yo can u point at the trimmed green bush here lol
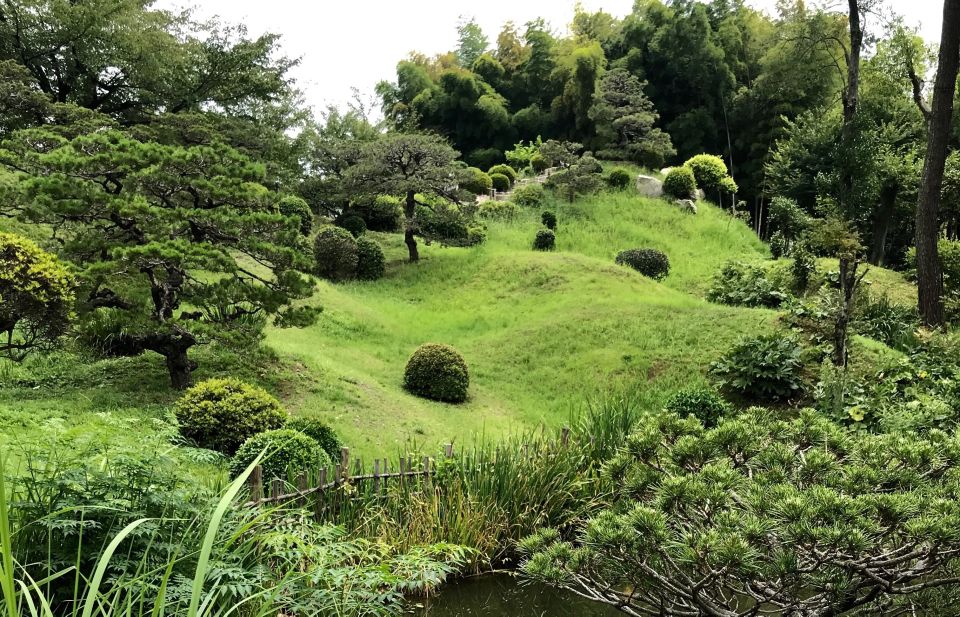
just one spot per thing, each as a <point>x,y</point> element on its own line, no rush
<point>220,414</point>
<point>385,213</point>
<point>318,430</point>
<point>703,404</point>
<point>500,182</point>
<point>740,284</point>
<point>354,224</point>
<point>803,268</point>
<point>499,210</point>
<point>648,262</point>
<point>285,449</point>
<point>529,195</point>
<point>476,181</point>
<point>437,372</point>
<point>618,179</point>
<point>680,183</point>
<point>549,220</point>
<point>335,250</point>
<point>779,245</point>
<point>765,368</point>
<point>506,170</point>
<point>545,240</point>
<point>538,163</point>
<point>291,205</point>
<point>708,170</point>
<point>371,263</point>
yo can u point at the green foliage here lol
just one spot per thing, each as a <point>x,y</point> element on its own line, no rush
<point>335,251</point>
<point>648,262</point>
<point>529,195</point>
<point>297,207</point>
<point>704,404</point>
<point>382,213</point>
<point>484,158</point>
<point>680,183</point>
<point>580,177</point>
<point>882,320</point>
<point>371,263</point>
<point>36,297</point>
<point>437,372</point>
<point>949,253</point>
<point>785,216</point>
<point>618,179</point>
<point>477,182</point>
<point>522,154</point>
<point>549,220</point>
<point>803,268</point>
<point>220,414</point>
<point>545,240</point>
<point>779,246</point>
<point>501,183</point>
<point>832,237</point>
<point>765,368</point>
<point>498,210</point>
<point>710,172</point>
<point>539,163</point>
<point>353,223</point>
<point>740,284</point>
<point>505,170</point>
<point>284,450</point>
<point>318,430</point>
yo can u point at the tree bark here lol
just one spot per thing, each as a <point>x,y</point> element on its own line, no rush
<point>929,271</point>
<point>174,348</point>
<point>851,102</point>
<point>881,224</point>
<point>410,226</point>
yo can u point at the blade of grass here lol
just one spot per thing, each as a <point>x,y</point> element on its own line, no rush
<point>103,562</point>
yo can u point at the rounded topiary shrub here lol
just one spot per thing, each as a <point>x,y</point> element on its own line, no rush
<point>437,372</point>
<point>618,179</point>
<point>545,240</point>
<point>549,220</point>
<point>648,262</point>
<point>285,449</point>
<point>680,183</point>
<point>538,163</point>
<point>709,171</point>
<point>220,414</point>
<point>702,403</point>
<point>335,250</point>
<point>529,195</point>
<point>500,182</point>
<point>320,431</point>
<point>293,206</point>
<point>370,261</point>
<point>354,224</point>
<point>506,170</point>
<point>476,181</point>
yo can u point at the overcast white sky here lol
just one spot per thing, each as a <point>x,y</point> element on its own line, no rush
<point>356,43</point>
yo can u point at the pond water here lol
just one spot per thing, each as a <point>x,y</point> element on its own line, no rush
<point>500,595</point>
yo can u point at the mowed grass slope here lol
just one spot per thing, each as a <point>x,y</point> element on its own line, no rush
<point>541,332</point>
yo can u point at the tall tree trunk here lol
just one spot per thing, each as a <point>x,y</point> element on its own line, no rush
<point>929,271</point>
<point>410,226</point>
<point>849,283</point>
<point>174,348</point>
<point>851,102</point>
<point>881,224</point>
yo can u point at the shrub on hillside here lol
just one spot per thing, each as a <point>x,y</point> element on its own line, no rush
<point>740,284</point>
<point>384,213</point>
<point>882,320</point>
<point>803,268</point>
<point>766,368</point>
<point>545,240</point>
<point>549,220</point>
<point>284,449</point>
<point>437,372</point>
<point>538,163</point>
<point>784,215</point>
<point>778,245</point>
<point>529,195</point>
<point>618,179</point>
<point>679,183</point>
<point>293,206</point>
<point>476,181</point>
<point>220,414</point>
<point>709,171</point>
<point>318,430</point>
<point>484,158</point>
<point>648,262</point>
<point>703,404</point>
<point>500,182</point>
<point>498,210</point>
<point>832,237</point>
<point>354,224</point>
<point>370,261</point>
<point>506,170</point>
<point>335,251</point>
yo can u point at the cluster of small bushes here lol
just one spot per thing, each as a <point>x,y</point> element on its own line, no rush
<point>340,256</point>
<point>242,421</point>
<point>648,262</point>
<point>703,171</point>
<point>740,284</point>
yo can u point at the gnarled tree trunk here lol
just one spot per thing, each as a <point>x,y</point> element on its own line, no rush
<point>410,226</point>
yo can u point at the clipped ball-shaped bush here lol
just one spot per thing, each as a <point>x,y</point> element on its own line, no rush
<point>476,181</point>
<point>529,195</point>
<point>648,262</point>
<point>506,170</point>
<point>500,182</point>
<point>498,210</point>
<point>618,179</point>
<point>354,224</point>
<point>545,240</point>
<point>371,263</point>
<point>538,163</point>
<point>680,183</point>
<point>437,372</point>
<point>284,449</point>
<point>549,220</point>
<point>335,251</point>
<point>702,403</point>
<point>220,414</point>
<point>708,170</point>
<point>319,431</point>
<point>293,206</point>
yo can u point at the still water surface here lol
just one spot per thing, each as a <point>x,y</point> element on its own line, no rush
<point>500,595</point>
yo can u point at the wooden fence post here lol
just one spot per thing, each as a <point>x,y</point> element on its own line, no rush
<point>376,476</point>
<point>302,487</point>
<point>275,486</point>
<point>345,462</point>
<point>426,470</point>
<point>256,484</point>
<point>565,436</point>
<point>448,450</point>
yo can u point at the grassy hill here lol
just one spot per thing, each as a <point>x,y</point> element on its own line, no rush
<point>542,333</point>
